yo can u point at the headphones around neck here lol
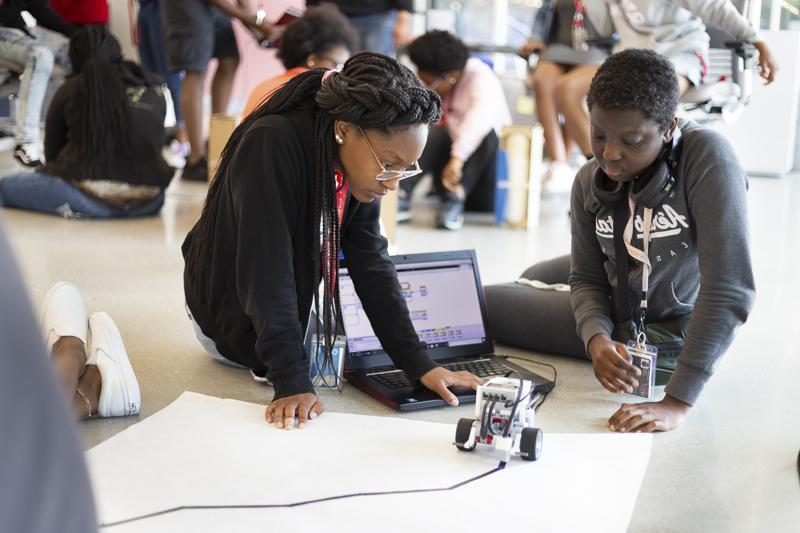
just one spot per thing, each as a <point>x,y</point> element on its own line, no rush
<point>649,189</point>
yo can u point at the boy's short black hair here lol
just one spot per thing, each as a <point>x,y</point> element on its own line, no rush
<point>637,79</point>
<point>319,30</point>
<point>438,52</point>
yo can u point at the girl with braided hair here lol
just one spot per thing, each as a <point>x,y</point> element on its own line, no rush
<point>102,141</point>
<point>299,182</point>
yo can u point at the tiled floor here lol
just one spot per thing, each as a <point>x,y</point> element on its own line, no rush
<point>731,467</point>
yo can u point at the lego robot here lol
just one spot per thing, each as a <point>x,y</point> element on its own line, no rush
<point>504,418</point>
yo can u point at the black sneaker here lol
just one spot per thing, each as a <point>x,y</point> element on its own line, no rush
<point>196,171</point>
<point>28,155</point>
<point>452,214</point>
<point>403,209</point>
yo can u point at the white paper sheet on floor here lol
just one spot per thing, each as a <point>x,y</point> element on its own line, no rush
<point>207,451</point>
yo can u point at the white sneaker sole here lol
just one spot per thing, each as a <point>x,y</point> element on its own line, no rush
<point>79,332</point>
<point>118,378</point>
<point>452,225</point>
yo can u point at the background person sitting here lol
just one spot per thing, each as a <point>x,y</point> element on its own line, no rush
<point>103,139</point>
<point>560,82</point>
<point>37,50</point>
<point>321,38</point>
<point>677,30</point>
<point>462,147</point>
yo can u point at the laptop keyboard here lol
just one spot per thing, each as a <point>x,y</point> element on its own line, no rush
<point>484,368</point>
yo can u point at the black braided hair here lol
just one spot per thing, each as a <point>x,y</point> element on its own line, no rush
<point>372,91</point>
<point>100,131</point>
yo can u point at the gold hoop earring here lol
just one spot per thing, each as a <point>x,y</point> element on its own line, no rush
<point>310,63</point>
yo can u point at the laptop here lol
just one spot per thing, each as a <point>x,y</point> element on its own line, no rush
<point>445,300</point>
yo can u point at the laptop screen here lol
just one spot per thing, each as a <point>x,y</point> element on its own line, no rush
<point>443,303</point>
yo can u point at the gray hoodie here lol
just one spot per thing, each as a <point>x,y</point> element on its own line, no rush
<point>669,27</point>
<point>699,233</point>
<point>44,484</point>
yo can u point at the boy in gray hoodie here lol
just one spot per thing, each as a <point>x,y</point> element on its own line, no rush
<point>701,275</point>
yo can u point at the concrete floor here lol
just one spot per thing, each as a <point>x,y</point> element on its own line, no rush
<point>731,467</point>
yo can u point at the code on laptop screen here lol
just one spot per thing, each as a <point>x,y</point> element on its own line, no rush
<point>442,299</point>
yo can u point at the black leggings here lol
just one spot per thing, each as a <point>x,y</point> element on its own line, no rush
<point>535,319</point>
<point>480,165</point>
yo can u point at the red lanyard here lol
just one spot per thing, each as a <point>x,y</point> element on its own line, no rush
<point>577,20</point>
<point>578,27</point>
<point>333,240</point>
<point>341,195</point>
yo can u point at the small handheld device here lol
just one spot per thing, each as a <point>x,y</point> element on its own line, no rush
<point>504,418</point>
<point>644,357</point>
<point>290,15</point>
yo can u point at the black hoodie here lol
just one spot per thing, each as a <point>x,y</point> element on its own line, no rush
<point>261,280</point>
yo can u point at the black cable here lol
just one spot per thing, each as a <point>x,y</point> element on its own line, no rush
<point>539,404</point>
<point>484,430</point>
<point>489,416</point>
<point>548,365</point>
<point>300,503</point>
<point>514,405</point>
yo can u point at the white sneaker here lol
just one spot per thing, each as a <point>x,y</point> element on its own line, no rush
<point>175,154</point>
<point>63,314</point>
<point>119,392</point>
<point>558,178</point>
<point>29,155</point>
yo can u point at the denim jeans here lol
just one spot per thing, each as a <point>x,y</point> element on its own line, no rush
<point>376,31</point>
<point>208,344</point>
<point>152,54</point>
<point>37,55</point>
<point>36,191</point>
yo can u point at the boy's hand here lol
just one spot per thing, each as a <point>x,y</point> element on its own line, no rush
<point>647,417</point>
<point>304,406</point>
<point>438,379</point>
<point>767,62</point>
<point>612,363</point>
<point>452,174</point>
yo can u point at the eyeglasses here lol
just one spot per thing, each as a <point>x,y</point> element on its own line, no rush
<point>441,79</point>
<point>337,66</point>
<point>386,175</point>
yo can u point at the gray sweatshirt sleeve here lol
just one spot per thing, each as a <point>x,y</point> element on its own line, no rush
<point>716,189</point>
<point>44,484</point>
<point>722,14</point>
<point>590,291</point>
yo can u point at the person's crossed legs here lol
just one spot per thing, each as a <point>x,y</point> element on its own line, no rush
<point>97,380</point>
